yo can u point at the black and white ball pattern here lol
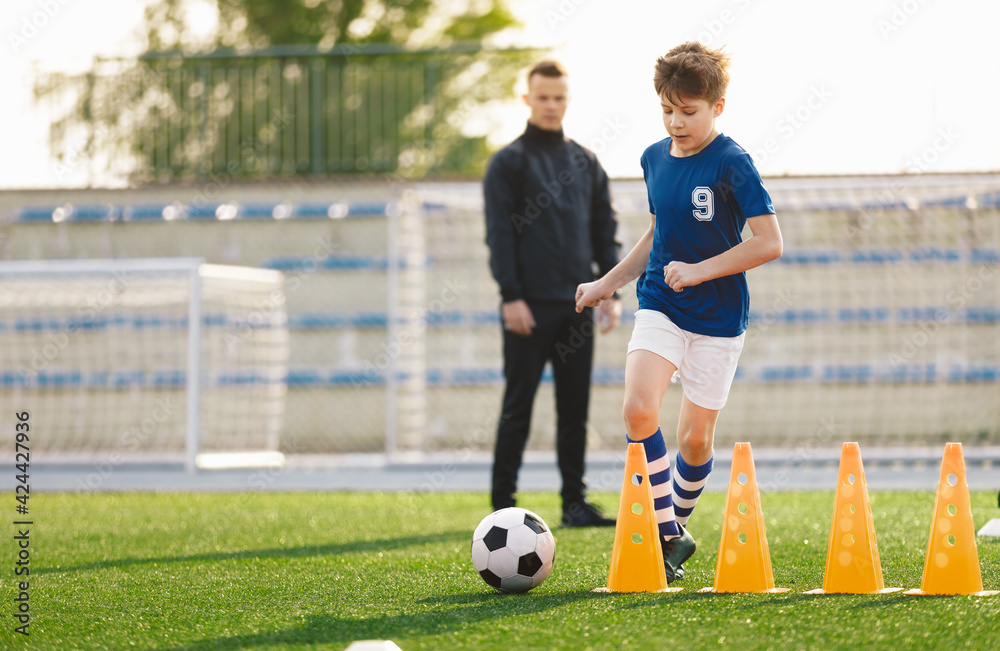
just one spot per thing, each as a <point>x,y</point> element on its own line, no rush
<point>513,549</point>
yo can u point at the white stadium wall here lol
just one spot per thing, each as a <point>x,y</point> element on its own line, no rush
<point>880,324</point>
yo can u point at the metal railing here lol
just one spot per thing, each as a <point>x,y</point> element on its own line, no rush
<point>284,111</point>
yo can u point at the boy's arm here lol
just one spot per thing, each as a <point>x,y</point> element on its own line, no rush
<point>764,246</point>
<point>630,268</point>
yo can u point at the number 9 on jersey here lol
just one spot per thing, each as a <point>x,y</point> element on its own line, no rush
<point>704,201</point>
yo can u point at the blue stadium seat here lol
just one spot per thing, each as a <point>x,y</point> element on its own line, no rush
<point>311,211</point>
<point>203,212</point>
<point>265,211</point>
<point>145,212</point>
<point>368,209</point>
<point>35,214</point>
<point>94,213</point>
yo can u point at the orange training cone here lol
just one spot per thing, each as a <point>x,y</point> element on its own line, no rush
<point>852,560</point>
<point>952,563</point>
<point>637,558</point>
<point>744,563</point>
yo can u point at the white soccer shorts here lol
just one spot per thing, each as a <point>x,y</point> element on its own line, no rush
<point>706,365</point>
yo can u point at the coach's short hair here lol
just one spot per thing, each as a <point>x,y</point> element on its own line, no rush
<point>692,71</point>
<point>547,68</point>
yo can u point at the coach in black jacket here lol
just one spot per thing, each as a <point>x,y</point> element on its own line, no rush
<point>548,221</point>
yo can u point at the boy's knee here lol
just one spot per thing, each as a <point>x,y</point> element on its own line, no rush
<point>696,447</point>
<point>641,419</point>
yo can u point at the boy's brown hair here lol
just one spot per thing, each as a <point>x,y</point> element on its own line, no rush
<point>692,71</point>
<point>547,68</point>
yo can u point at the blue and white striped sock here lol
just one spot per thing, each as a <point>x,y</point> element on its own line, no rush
<point>659,481</point>
<point>689,482</point>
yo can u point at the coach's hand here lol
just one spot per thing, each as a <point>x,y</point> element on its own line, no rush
<point>679,275</point>
<point>517,318</point>
<point>610,315</point>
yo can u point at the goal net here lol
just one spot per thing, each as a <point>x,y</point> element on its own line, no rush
<point>144,358</point>
<point>879,324</point>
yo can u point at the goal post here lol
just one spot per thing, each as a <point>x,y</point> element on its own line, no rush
<point>157,359</point>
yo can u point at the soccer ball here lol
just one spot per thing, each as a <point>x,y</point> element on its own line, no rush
<point>513,549</point>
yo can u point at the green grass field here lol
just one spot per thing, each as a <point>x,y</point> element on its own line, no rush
<point>317,571</point>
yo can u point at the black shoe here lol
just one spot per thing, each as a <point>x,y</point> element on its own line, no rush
<point>584,514</point>
<point>675,552</point>
<point>503,501</point>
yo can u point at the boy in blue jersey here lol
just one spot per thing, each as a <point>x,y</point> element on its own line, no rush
<point>692,290</point>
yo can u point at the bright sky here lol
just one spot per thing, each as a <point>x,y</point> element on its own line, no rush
<point>853,87</point>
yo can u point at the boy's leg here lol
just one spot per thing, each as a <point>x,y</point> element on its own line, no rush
<point>707,373</point>
<point>647,376</point>
<point>695,456</point>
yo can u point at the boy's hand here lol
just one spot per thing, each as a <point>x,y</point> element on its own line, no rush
<point>679,275</point>
<point>591,295</point>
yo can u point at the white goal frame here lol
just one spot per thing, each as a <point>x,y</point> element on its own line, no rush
<point>196,269</point>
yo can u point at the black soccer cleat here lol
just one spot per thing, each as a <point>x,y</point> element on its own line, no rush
<point>584,514</point>
<point>675,552</point>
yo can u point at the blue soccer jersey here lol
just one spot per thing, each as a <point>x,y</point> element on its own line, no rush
<point>701,204</point>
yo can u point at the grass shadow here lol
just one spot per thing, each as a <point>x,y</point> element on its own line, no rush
<point>334,630</point>
<point>332,549</point>
<point>756,600</point>
<point>881,600</point>
<point>495,596</point>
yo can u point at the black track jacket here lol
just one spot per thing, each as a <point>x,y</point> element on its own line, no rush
<point>548,217</point>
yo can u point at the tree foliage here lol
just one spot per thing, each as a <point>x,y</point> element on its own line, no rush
<point>263,23</point>
<point>297,87</point>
